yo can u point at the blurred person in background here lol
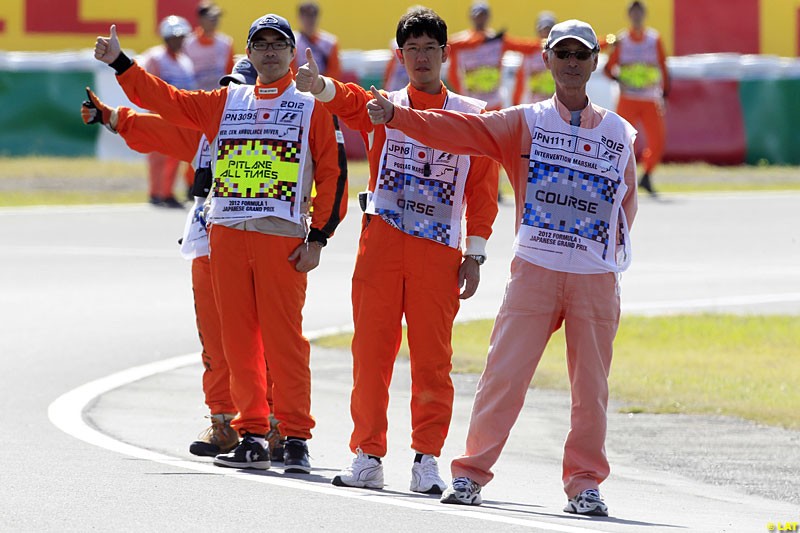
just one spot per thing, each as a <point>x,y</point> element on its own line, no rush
<point>323,45</point>
<point>638,63</point>
<point>171,64</point>
<point>395,76</point>
<point>211,51</point>
<point>533,82</point>
<point>476,61</point>
<point>476,58</point>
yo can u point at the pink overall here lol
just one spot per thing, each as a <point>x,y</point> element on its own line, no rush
<point>536,303</point>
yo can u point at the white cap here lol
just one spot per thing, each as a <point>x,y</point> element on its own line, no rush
<point>545,19</point>
<point>174,26</point>
<point>573,29</point>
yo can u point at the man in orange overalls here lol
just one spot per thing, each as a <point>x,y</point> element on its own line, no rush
<point>638,63</point>
<point>146,133</point>
<point>533,81</point>
<point>410,260</point>
<point>272,144</point>
<point>171,64</point>
<point>476,61</point>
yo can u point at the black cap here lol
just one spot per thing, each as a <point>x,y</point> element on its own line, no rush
<point>272,22</point>
<point>243,73</point>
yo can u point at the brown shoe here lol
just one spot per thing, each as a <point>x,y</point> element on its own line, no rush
<point>219,438</point>
<point>275,440</point>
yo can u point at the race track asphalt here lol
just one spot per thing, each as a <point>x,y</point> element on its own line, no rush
<point>91,293</point>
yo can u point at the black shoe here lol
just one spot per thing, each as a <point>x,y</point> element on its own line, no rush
<point>248,454</point>
<point>295,457</point>
<point>171,202</point>
<point>156,201</point>
<point>645,184</point>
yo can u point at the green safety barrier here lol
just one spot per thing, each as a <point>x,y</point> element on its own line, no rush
<point>40,114</point>
<point>771,117</point>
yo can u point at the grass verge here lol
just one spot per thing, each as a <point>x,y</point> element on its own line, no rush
<point>64,180</point>
<point>744,366</point>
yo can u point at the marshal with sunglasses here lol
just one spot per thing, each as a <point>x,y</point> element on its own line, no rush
<point>580,55</point>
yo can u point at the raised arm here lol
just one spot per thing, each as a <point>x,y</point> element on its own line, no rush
<point>145,133</point>
<point>345,100</point>
<point>142,132</point>
<point>200,110</point>
<point>495,134</point>
<point>521,45</point>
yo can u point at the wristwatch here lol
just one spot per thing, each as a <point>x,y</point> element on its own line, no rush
<point>480,259</point>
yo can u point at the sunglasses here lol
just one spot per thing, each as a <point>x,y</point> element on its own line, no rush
<point>580,55</point>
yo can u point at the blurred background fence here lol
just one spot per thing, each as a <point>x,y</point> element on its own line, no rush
<point>724,108</point>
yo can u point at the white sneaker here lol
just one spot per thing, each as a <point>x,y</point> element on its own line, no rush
<point>588,502</point>
<point>425,476</point>
<point>463,491</point>
<point>364,472</point>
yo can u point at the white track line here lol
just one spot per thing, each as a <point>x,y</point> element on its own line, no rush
<point>66,413</point>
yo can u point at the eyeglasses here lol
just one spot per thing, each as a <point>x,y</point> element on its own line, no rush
<point>261,46</point>
<point>580,55</point>
<point>424,50</point>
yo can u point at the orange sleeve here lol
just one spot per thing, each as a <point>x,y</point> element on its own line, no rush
<point>613,61</point>
<point>350,105</point>
<point>480,192</point>
<point>453,79</point>
<point>334,66</point>
<point>199,110</point>
<point>145,133</point>
<point>523,46</point>
<point>495,134</point>
<point>330,172</point>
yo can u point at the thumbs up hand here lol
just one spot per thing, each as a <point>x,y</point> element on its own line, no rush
<point>107,49</point>
<point>380,110</point>
<point>94,111</point>
<point>308,78</point>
